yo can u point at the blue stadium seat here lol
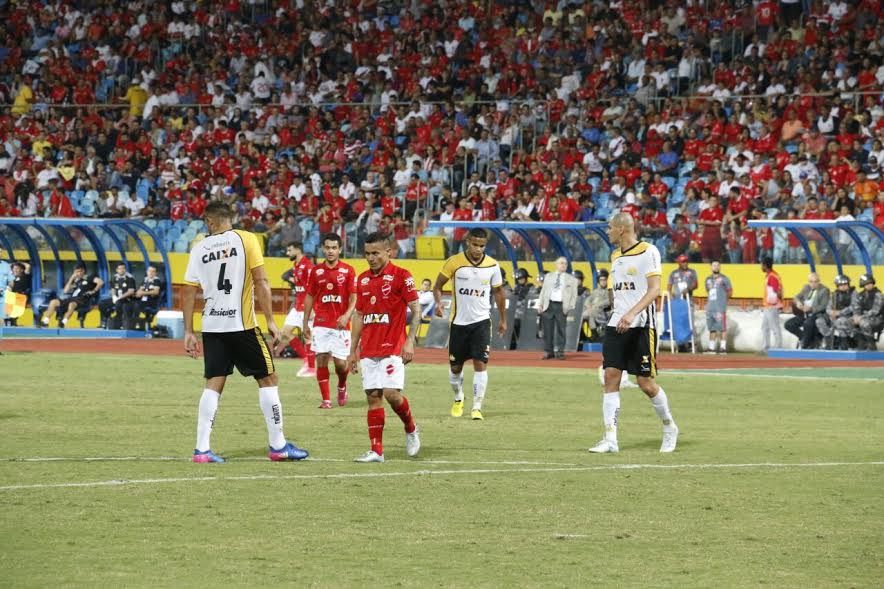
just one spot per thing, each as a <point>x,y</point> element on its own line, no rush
<point>669,181</point>
<point>151,223</point>
<point>866,215</point>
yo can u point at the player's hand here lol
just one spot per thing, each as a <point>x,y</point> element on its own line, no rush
<point>343,320</point>
<point>625,322</point>
<point>192,346</point>
<point>501,327</point>
<point>353,364</point>
<point>306,334</point>
<point>273,330</point>
<point>408,352</point>
<point>439,311</point>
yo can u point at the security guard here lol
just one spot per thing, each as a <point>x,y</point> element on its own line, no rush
<point>868,313</point>
<point>837,309</point>
<point>119,310</point>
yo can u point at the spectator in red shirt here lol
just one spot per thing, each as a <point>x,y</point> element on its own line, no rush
<point>711,219</point>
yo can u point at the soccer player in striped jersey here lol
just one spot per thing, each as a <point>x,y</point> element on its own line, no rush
<point>631,338</point>
<point>229,268</point>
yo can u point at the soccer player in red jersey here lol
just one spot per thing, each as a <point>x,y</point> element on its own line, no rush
<point>298,277</point>
<point>379,347</point>
<point>331,296</point>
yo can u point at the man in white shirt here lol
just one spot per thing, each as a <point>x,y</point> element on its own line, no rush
<point>298,189</point>
<point>347,189</point>
<point>133,205</point>
<point>558,297</point>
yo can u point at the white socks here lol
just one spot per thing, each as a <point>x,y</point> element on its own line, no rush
<point>206,418</point>
<point>661,406</point>
<point>610,412</point>
<point>456,382</point>
<point>271,407</point>
<point>480,383</point>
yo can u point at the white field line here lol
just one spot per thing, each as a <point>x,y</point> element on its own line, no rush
<point>740,375</point>
<point>388,474</point>
<point>264,459</point>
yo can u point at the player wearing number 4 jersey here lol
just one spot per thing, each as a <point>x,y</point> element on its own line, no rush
<point>380,348</point>
<point>229,268</point>
<point>331,296</point>
<point>631,340</point>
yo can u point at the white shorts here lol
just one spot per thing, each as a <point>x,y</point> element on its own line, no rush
<point>295,319</point>
<point>331,341</point>
<point>387,372</point>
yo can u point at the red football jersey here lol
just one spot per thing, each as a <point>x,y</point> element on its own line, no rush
<point>383,299</point>
<point>331,289</point>
<point>301,276</point>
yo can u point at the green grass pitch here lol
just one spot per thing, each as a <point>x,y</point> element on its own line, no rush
<point>514,501</point>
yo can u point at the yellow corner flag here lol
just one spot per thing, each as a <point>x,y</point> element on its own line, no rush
<point>14,304</point>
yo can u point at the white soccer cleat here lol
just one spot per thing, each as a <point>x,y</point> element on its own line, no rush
<point>370,456</point>
<point>413,442</point>
<point>670,439</point>
<point>307,372</point>
<point>625,383</point>
<point>605,447</point>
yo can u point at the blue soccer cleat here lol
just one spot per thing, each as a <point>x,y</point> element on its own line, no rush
<point>207,456</point>
<point>288,452</point>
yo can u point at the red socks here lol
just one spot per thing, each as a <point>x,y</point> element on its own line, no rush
<point>322,377</point>
<point>376,419</point>
<point>404,413</point>
<point>311,358</point>
<point>298,346</point>
<point>342,377</point>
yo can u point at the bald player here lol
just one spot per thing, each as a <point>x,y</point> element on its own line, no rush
<point>631,338</point>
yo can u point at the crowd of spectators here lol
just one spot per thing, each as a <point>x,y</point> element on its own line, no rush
<point>365,115</point>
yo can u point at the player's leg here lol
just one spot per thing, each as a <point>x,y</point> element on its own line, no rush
<point>72,307</point>
<point>766,327</point>
<point>722,344</point>
<point>252,357</point>
<point>375,418</point>
<point>322,347</point>
<point>480,351</point>
<point>105,309</point>
<point>49,312</point>
<point>613,362</point>
<point>339,353</point>
<point>217,365</point>
<point>456,358</point>
<point>393,377</point>
<point>645,348</point>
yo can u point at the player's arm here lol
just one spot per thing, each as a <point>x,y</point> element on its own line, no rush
<point>500,301</point>
<point>308,308</point>
<point>96,286</point>
<point>642,304</point>
<point>351,306</point>
<point>355,335</point>
<point>191,344</point>
<point>70,285</point>
<point>408,349</point>
<point>441,281</point>
<point>265,299</point>
<point>289,277</point>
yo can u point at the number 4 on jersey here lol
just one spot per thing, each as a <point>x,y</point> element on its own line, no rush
<point>224,283</point>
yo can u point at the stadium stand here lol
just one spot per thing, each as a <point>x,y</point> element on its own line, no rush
<point>346,114</point>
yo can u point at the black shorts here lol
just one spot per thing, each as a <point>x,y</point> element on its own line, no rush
<point>469,342</point>
<point>81,302</point>
<point>246,350</point>
<point>634,351</point>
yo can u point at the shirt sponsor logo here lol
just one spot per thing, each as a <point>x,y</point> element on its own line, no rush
<point>388,277</point>
<point>331,299</point>
<point>365,281</point>
<point>369,318</point>
<point>329,286</point>
<point>320,271</point>
<point>471,292</point>
<point>222,313</point>
<point>624,286</point>
<point>220,255</point>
